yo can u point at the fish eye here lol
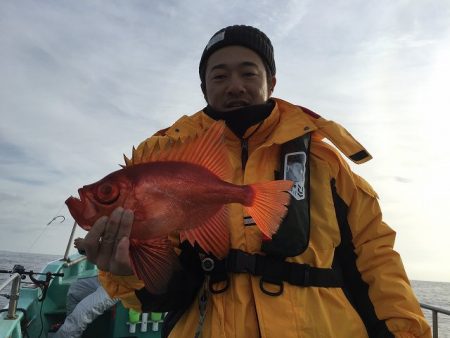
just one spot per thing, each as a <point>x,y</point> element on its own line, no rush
<point>107,193</point>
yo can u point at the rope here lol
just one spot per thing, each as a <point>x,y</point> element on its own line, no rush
<point>202,304</point>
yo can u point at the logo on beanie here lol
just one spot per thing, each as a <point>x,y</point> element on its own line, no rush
<point>216,38</point>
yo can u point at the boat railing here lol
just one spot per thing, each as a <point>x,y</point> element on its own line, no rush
<point>16,275</point>
<point>14,279</point>
<point>434,315</point>
<point>69,244</point>
<point>70,262</point>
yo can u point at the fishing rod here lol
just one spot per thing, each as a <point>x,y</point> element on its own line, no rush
<point>42,284</point>
<point>14,296</point>
<point>45,229</point>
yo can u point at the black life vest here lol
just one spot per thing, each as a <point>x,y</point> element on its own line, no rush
<point>291,239</point>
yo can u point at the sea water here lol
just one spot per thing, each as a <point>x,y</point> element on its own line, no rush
<point>431,293</point>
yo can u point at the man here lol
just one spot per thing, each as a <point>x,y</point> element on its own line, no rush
<point>86,300</point>
<point>330,271</point>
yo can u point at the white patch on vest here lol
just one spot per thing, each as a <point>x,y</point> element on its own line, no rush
<point>215,39</point>
<point>295,170</point>
<point>248,221</point>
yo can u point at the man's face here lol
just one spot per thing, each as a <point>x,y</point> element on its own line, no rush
<point>236,77</point>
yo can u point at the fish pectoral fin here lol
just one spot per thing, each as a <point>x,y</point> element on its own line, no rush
<point>154,262</point>
<point>212,236</point>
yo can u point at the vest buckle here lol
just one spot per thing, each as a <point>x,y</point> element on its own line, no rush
<point>268,292</point>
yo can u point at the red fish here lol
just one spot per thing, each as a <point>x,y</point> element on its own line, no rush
<point>182,188</point>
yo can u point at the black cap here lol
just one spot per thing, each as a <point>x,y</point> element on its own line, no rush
<point>240,35</point>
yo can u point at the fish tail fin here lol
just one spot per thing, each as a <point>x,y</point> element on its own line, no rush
<point>153,261</point>
<point>268,204</point>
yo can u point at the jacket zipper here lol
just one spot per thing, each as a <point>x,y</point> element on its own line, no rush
<point>244,147</point>
<point>244,152</point>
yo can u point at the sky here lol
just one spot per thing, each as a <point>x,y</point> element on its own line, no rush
<point>81,82</point>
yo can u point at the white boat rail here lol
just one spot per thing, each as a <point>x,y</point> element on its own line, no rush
<point>434,313</point>
<point>16,275</point>
<point>69,244</point>
<point>70,262</point>
<point>15,279</point>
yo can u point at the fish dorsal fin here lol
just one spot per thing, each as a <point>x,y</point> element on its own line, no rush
<point>207,150</point>
<point>212,236</point>
<point>154,262</point>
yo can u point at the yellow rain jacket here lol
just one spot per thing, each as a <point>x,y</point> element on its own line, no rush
<point>243,310</point>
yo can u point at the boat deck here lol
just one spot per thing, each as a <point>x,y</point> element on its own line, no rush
<point>39,319</point>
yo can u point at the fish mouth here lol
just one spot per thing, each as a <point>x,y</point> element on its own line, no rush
<point>75,203</point>
<point>81,209</point>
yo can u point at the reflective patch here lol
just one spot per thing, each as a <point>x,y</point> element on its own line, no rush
<point>216,38</point>
<point>249,221</point>
<point>295,170</point>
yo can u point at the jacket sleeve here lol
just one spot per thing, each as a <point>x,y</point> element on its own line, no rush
<point>383,280</point>
<point>122,287</point>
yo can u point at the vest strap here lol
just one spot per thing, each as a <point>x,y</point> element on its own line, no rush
<point>273,271</point>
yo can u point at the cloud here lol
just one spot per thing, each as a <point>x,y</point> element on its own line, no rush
<point>402,179</point>
<point>82,82</point>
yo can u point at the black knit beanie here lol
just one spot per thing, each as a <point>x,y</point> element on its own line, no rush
<point>240,35</point>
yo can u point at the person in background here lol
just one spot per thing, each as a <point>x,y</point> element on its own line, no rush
<point>86,300</point>
<point>330,271</point>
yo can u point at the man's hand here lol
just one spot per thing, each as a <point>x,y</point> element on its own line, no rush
<point>107,243</point>
<point>78,243</point>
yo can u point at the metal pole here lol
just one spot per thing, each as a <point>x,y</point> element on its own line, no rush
<point>435,324</point>
<point>435,311</point>
<point>14,296</point>
<point>69,245</point>
<point>9,280</point>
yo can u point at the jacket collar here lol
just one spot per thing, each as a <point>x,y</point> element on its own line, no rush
<point>286,122</point>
